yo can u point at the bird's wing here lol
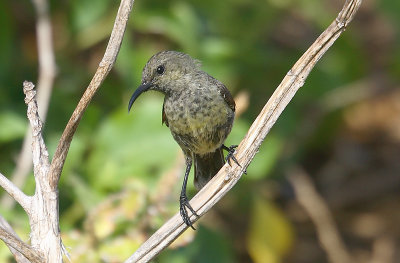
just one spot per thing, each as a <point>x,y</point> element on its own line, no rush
<point>224,92</point>
<point>226,95</point>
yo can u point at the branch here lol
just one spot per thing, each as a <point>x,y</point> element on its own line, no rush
<point>320,215</point>
<point>15,243</point>
<point>20,250</point>
<point>15,192</point>
<point>47,72</point>
<point>40,154</point>
<point>43,212</point>
<point>47,65</point>
<point>227,177</point>
<point>102,71</point>
<point>19,257</point>
<point>22,169</point>
<point>383,250</point>
<point>43,206</point>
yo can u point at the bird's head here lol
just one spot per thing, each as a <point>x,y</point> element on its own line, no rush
<point>167,72</point>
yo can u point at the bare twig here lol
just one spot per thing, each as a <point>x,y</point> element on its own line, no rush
<point>318,210</point>
<point>47,72</point>
<point>227,177</point>
<point>40,154</point>
<point>104,68</point>
<point>22,169</point>
<point>43,213</point>
<point>14,192</point>
<point>47,65</point>
<point>383,250</point>
<point>15,243</point>
<point>20,258</point>
<point>42,209</point>
<point>20,250</point>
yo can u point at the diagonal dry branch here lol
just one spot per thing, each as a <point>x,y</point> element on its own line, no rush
<point>4,225</point>
<point>22,252</point>
<point>15,192</point>
<point>227,177</point>
<point>16,244</point>
<point>105,66</point>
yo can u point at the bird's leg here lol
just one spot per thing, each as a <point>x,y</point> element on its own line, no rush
<point>183,199</point>
<point>230,155</point>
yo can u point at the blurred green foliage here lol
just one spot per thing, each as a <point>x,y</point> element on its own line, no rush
<point>111,191</point>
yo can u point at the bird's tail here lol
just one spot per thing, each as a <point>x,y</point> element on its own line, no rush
<point>206,166</point>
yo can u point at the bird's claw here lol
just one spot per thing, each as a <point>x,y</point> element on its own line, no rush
<point>230,156</point>
<point>184,203</point>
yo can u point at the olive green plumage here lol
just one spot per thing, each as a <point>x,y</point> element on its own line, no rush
<point>198,109</point>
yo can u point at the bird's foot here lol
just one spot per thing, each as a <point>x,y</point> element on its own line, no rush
<point>231,156</point>
<point>184,203</point>
<point>231,151</point>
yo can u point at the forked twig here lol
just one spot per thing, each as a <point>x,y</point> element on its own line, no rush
<point>47,73</point>
<point>105,66</point>
<point>42,208</point>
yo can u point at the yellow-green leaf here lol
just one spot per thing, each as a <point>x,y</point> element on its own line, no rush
<point>270,234</point>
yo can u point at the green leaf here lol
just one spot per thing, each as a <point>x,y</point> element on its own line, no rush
<point>266,158</point>
<point>134,144</point>
<point>209,246</point>
<point>13,126</point>
<point>269,151</point>
<point>118,249</point>
<point>270,234</point>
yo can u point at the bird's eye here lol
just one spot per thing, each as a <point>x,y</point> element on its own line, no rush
<point>160,69</point>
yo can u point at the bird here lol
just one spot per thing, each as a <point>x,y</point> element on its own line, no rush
<point>199,111</point>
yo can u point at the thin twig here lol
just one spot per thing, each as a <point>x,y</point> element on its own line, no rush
<point>22,169</point>
<point>15,243</point>
<point>321,216</point>
<point>40,154</point>
<point>383,250</point>
<point>15,192</point>
<point>227,177</point>
<point>47,64</point>
<point>43,210</point>
<point>19,257</point>
<point>47,72</point>
<point>102,71</point>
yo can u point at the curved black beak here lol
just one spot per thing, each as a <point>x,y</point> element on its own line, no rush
<point>142,88</point>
